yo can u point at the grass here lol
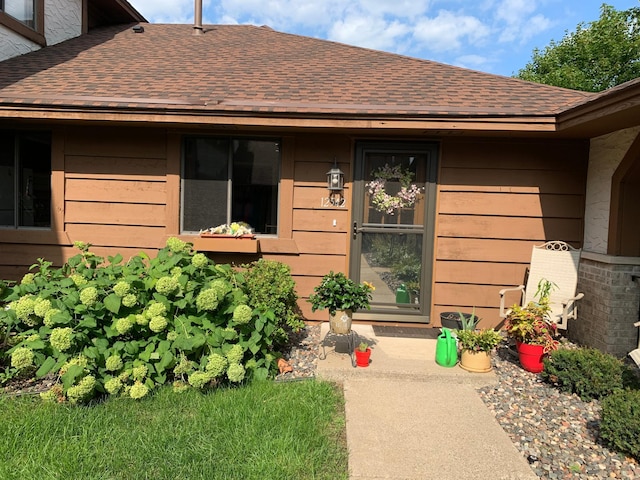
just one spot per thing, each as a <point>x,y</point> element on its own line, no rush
<point>261,431</point>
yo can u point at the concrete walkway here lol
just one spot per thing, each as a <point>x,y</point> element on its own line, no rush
<point>410,419</point>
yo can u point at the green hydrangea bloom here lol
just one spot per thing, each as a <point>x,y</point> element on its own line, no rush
<point>199,260</point>
<point>235,354</point>
<point>78,279</point>
<point>158,324</point>
<point>33,338</point>
<point>129,300</point>
<point>179,386</point>
<point>61,338</point>
<point>124,376</point>
<point>172,335</point>
<point>48,317</point>
<point>167,285</point>
<point>242,314</point>
<point>113,386</point>
<point>49,396</point>
<point>216,365</point>
<point>138,373</point>
<point>138,390</point>
<point>22,358</point>
<point>80,360</point>
<point>89,296</point>
<point>84,246</point>
<point>28,279</point>
<point>142,319</point>
<point>199,379</point>
<point>24,307</point>
<point>41,307</point>
<point>82,391</point>
<point>176,245</point>
<point>176,271</point>
<point>235,372</point>
<point>121,288</point>
<point>155,309</point>
<point>123,325</point>
<point>221,287</point>
<point>113,363</point>
<point>207,300</point>
<point>185,366</point>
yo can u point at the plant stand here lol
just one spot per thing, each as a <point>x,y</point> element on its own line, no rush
<point>351,338</point>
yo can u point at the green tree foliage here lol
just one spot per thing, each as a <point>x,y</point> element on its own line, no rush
<point>597,56</point>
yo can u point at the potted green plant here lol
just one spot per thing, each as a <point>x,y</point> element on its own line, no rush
<point>341,296</point>
<point>476,347</point>
<point>363,354</point>
<point>532,329</point>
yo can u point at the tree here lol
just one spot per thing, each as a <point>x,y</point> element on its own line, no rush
<point>598,55</point>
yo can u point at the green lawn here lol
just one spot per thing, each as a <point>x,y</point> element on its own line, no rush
<point>261,431</point>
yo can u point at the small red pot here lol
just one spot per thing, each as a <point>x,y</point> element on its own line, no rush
<point>362,358</point>
<point>531,357</point>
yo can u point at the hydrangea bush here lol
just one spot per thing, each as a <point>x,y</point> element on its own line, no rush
<point>116,328</point>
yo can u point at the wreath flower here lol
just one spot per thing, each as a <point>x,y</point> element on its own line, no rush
<point>406,197</point>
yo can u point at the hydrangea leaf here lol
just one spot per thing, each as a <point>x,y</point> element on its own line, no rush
<point>166,360</point>
<point>87,321</point>
<point>112,302</point>
<point>71,375</point>
<point>46,367</point>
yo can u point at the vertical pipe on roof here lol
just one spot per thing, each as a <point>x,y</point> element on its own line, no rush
<point>197,18</point>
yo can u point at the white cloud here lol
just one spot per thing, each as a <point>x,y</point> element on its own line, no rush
<point>517,22</point>
<point>369,32</point>
<point>447,30</point>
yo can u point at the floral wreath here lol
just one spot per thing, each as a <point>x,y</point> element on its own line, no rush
<point>406,197</point>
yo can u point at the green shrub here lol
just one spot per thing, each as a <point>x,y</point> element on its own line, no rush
<point>125,328</point>
<point>620,424</point>
<point>587,372</point>
<point>271,287</point>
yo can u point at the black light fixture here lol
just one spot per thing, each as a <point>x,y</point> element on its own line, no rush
<point>335,178</point>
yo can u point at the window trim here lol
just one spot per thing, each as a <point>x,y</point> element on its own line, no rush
<point>36,34</point>
<point>229,181</point>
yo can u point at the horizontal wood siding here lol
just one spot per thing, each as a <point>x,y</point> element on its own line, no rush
<point>496,200</point>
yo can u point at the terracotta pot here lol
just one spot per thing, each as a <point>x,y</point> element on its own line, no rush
<point>340,323</point>
<point>477,362</point>
<point>531,357</point>
<point>362,358</point>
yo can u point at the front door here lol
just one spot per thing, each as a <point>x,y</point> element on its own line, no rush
<point>393,228</point>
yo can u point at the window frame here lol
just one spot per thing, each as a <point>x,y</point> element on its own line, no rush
<point>229,179</point>
<point>35,33</point>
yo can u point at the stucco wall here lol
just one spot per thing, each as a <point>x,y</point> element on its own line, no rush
<point>63,20</point>
<point>12,44</point>
<point>606,153</point>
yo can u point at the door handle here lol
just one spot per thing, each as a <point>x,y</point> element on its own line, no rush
<point>356,230</point>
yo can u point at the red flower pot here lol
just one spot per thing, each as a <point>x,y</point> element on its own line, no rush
<point>362,358</point>
<point>531,357</point>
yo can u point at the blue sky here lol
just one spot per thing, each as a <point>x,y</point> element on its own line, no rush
<point>495,36</point>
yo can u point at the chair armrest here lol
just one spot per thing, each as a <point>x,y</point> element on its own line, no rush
<point>503,312</point>
<point>567,306</point>
<point>637,324</point>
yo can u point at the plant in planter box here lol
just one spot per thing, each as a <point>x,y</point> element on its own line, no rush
<point>532,328</point>
<point>476,347</point>
<point>363,353</point>
<point>336,293</point>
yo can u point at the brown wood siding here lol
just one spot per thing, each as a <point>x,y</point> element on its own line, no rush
<point>496,199</point>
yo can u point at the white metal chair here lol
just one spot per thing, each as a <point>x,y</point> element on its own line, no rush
<point>556,262</point>
<point>635,354</point>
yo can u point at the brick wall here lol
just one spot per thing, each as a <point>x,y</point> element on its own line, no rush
<point>610,305</point>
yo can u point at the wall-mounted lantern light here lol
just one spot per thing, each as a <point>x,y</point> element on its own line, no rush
<point>335,178</point>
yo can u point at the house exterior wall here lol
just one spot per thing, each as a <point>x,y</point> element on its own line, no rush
<point>119,189</point>
<point>62,21</point>
<point>606,153</point>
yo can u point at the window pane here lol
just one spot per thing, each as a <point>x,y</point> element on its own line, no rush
<point>34,159</point>
<point>255,184</point>
<point>205,183</point>
<point>7,180</point>
<point>21,10</point>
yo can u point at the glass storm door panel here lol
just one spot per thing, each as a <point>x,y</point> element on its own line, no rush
<point>392,238</point>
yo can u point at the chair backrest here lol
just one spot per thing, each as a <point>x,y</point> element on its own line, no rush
<point>558,263</point>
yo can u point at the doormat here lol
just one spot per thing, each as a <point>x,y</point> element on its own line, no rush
<point>406,332</point>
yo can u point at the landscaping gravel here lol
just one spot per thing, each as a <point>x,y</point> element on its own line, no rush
<point>557,433</point>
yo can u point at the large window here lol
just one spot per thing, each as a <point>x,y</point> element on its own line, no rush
<point>22,10</point>
<point>25,179</point>
<point>228,180</point>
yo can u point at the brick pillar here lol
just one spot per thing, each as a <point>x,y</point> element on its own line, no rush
<point>610,305</point>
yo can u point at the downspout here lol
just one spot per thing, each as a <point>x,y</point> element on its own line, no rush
<point>197,18</point>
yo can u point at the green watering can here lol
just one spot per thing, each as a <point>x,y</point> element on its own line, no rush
<point>446,349</point>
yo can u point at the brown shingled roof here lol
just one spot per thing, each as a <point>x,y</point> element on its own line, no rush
<point>237,68</point>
